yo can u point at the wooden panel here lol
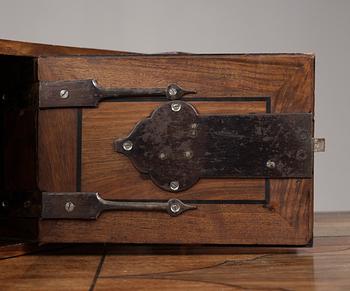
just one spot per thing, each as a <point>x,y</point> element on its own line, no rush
<point>287,79</point>
<point>19,48</point>
<point>215,224</point>
<point>326,266</point>
<point>113,175</point>
<point>57,147</point>
<point>11,249</point>
<point>47,272</point>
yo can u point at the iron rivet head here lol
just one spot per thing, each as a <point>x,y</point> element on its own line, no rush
<point>4,204</point>
<point>301,155</point>
<point>174,185</point>
<point>69,206</point>
<point>172,91</point>
<point>64,93</point>
<point>27,204</point>
<point>127,145</point>
<point>162,156</point>
<point>175,106</point>
<point>175,207</point>
<point>188,154</point>
<point>303,135</point>
<point>194,125</point>
<point>270,164</point>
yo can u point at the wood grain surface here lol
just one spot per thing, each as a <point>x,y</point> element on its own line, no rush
<point>286,218</point>
<point>287,78</point>
<point>57,147</point>
<point>324,267</point>
<point>20,48</point>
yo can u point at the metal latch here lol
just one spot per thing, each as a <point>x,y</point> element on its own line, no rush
<point>319,145</point>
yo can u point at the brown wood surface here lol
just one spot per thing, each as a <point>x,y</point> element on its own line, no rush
<point>324,267</point>
<point>57,146</point>
<point>20,48</point>
<point>287,218</point>
<point>287,78</point>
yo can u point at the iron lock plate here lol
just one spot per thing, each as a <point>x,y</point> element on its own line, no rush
<point>176,146</point>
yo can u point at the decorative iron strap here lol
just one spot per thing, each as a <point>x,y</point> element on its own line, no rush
<point>89,205</point>
<point>87,93</point>
<point>176,147</point>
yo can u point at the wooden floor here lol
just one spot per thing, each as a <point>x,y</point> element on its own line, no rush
<point>326,266</point>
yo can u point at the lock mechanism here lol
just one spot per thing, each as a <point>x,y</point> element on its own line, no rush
<point>176,146</point>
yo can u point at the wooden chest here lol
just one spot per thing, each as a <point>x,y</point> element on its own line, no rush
<point>173,148</point>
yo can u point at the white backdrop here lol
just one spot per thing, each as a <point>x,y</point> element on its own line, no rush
<point>318,26</point>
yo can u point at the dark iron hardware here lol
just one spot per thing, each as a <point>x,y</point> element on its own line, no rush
<point>25,204</point>
<point>87,205</point>
<point>176,147</point>
<point>87,93</point>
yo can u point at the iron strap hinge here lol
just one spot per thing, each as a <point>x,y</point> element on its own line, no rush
<point>87,93</point>
<point>89,205</point>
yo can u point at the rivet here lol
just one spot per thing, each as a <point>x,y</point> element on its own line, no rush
<point>303,135</point>
<point>162,156</point>
<point>270,164</point>
<point>27,204</point>
<point>174,185</point>
<point>188,154</point>
<point>172,91</point>
<point>127,145</point>
<point>301,155</point>
<point>69,206</point>
<point>175,207</point>
<point>194,125</point>
<point>64,93</point>
<point>4,204</point>
<point>175,106</point>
